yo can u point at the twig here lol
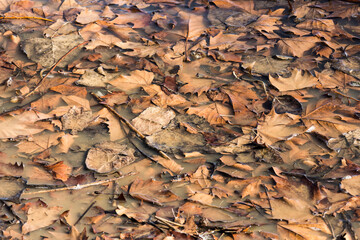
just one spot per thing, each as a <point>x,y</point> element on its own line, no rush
<point>128,123</point>
<point>77,187</point>
<point>82,215</point>
<point>52,69</point>
<point>38,18</point>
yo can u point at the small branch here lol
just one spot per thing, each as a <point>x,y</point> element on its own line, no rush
<point>37,18</point>
<point>82,215</point>
<point>77,187</point>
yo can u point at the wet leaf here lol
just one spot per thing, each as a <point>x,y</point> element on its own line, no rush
<point>108,157</point>
<point>151,191</point>
<point>40,216</point>
<point>11,188</point>
<point>152,120</point>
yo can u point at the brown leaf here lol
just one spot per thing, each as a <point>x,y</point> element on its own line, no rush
<point>132,83</point>
<point>151,191</point>
<point>40,216</point>
<point>152,120</point>
<point>169,164</point>
<point>202,198</point>
<point>21,124</point>
<point>351,185</point>
<point>214,113</point>
<point>115,98</point>
<point>297,46</point>
<point>109,156</point>
<point>113,123</point>
<point>87,16</point>
<point>60,170</point>
<point>70,90</point>
<point>297,80</point>
<point>276,127</point>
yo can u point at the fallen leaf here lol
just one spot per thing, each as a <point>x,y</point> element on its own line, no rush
<point>297,46</point>
<point>76,119</point>
<point>297,80</point>
<point>21,124</point>
<point>151,191</point>
<point>152,120</point>
<point>133,82</point>
<point>39,216</point>
<point>276,127</point>
<point>108,156</point>
<point>60,170</point>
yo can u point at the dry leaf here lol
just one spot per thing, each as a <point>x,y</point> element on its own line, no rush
<point>297,80</point>
<point>132,83</point>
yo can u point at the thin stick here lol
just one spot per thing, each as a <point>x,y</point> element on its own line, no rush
<point>82,215</point>
<point>52,69</point>
<point>127,122</point>
<point>38,18</point>
<point>77,187</point>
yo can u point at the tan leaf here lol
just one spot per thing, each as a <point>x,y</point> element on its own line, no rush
<point>202,198</point>
<point>109,156</point>
<point>40,216</point>
<point>277,127</point>
<point>152,120</point>
<point>297,46</point>
<point>113,123</point>
<point>169,164</point>
<point>151,191</point>
<point>21,124</point>
<point>87,16</point>
<point>214,113</point>
<point>351,185</point>
<point>65,143</point>
<point>132,83</point>
<point>297,80</point>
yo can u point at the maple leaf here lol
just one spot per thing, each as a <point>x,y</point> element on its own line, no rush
<point>296,81</point>
<point>330,118</point>
<point>276,127</point>
<point>131,83</point>
<point>214,113</point>
<point>297,46</point>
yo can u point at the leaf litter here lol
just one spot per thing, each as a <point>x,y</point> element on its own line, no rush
<point>213,119</point>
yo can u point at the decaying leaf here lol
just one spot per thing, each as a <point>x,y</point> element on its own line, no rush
<point>152,120</point>
<point>76,119</point>
<point>11,188</point>
<point>109,156</point>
